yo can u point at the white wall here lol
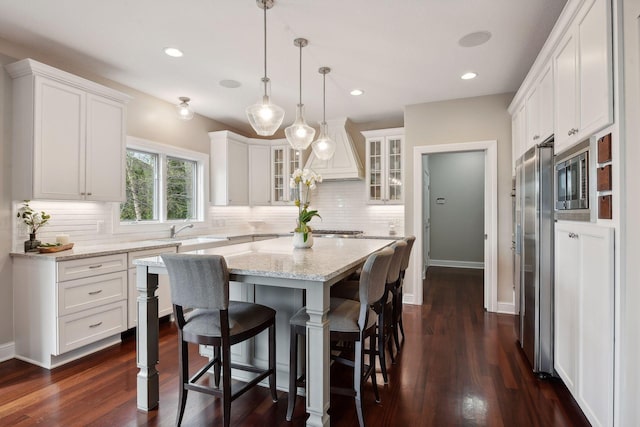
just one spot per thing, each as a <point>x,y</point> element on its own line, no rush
<point>465,120</point>
<point>457,224</point>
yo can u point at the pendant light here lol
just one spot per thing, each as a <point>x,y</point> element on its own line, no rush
<point>324,147</point>
<point>265,118</point>
<point>300,134</point>
<point>184,110</point>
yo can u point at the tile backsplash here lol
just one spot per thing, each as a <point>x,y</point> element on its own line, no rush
<point>341,204</point>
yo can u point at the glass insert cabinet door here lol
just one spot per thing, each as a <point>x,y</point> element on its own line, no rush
<point>384,167</point>
<point>284,161</point>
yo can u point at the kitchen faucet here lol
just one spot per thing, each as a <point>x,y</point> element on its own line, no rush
<point>175,232</point>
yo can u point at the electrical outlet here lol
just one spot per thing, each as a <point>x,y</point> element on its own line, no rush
<point>100,226</point>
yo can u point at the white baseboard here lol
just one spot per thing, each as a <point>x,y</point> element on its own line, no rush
<point>409,299</point>
<point>7,351</point>
<point>506,308</point>
<point>458,264</point>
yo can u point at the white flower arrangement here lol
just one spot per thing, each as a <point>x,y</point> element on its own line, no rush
<point>304,180</point>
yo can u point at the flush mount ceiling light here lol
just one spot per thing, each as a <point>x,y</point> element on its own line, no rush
<point>231,84</point>
<point>356,92</point>
<point>300,134</point>
<point>173,52</point>
<point>475,39</point>
<point>324,147</point>
<point>468,76</point>
<point>184,110</point>
<point>265,118</point>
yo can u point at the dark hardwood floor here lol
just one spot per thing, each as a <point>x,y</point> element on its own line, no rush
<point>459,366</point>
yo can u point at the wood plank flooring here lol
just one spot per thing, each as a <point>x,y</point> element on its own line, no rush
<point>459,366</point>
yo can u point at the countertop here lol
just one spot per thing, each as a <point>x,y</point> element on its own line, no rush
<point>279,259</point>
<point>80,251</point>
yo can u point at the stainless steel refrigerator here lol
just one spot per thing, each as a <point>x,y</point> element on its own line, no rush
<point>534,251</point>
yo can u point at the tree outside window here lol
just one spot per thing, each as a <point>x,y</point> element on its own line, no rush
<point>177,179</point>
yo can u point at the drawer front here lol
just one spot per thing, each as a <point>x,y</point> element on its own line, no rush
<point>87,267</point>
<point>85,327</point>
<point>149,253</point>
<point>81,294</point>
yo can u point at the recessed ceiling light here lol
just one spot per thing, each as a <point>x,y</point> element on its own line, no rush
<point>231,84</point>
<point>173,52</point>
<point>468,76</point>
<point>356,92</point>
<point>475,39</point>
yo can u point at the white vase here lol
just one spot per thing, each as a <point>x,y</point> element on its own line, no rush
<point>298,240</point>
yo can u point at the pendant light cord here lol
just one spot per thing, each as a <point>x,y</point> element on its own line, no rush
<point>265,79</point>
<point>300,92</point>
<point>324,98</point>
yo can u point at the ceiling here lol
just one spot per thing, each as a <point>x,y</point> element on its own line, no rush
<point>400,52</point>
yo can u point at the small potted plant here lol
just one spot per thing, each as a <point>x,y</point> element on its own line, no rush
<point>304,180</point>
<point>33,220</point>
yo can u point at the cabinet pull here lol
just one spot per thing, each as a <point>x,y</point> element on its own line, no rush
<point>95,292</point>
<point>95,325</point>
<point>95,266</point>
<point>89,194</point>
<point>82,194</point>
<point>573,236</point>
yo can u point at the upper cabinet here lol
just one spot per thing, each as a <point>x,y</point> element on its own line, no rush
<point>539,107</point>
<point>385,166</point>
<point>68,135</point>
<point>284,161</point>
<point>259,175</point>
<point>229,169</point>
<point>584,84</point>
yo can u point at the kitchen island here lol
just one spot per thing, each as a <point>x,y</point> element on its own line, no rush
<point>275,264</point>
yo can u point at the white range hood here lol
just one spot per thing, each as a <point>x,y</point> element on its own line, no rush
<point>345,163</point>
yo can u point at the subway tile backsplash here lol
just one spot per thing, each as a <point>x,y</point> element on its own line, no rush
<point>341,204</point>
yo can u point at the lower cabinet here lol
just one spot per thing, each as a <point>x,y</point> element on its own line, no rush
<point>584,316</point>
<point>68,309</point>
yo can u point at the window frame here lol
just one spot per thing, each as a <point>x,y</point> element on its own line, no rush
<point>202,187</point>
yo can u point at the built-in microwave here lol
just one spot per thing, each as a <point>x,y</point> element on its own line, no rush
<point>572,186</point>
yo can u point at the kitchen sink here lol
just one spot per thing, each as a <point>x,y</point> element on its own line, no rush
<point>195,243</point>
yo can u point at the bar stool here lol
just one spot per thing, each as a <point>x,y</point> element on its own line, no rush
<point>384,309</point>
<point>349,321</point>
<point>397,305</point>
<point>204,315</point>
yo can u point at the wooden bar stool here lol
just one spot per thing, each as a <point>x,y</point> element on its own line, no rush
<point>384,309</point>
<point>204,315</point>
<point>352,322</point>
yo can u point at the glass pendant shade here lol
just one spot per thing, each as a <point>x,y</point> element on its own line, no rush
<point>184,110</point>
<point>265,118</point>
<point>323,147</point>
<point>300,134</point>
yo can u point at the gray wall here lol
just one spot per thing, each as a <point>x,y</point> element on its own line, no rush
<point>457,226</point>
<point>466,120</point>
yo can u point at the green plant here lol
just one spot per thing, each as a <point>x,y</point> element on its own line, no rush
<point>32,219</point>
<point>304,180</point>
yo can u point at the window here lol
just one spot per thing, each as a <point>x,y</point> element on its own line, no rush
<point>163,184</point>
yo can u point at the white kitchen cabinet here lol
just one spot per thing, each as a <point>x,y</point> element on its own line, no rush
<point>68,309</point>
<point>229,169</point>
<point>583,92</point>
<point>259,175</point>
<point>284,161</point>
<point>539,111</point>
<point>584,316</point>
<point>518,133</point>
<point>385,166</point>
<point>68,134</point>
<point>165,307</point>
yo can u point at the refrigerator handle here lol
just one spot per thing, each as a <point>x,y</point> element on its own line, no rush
<point>518,239</point>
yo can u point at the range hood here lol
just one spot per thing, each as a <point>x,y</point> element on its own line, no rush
<point>345,163</point>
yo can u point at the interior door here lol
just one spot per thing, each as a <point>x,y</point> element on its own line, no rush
<point>426,216</point>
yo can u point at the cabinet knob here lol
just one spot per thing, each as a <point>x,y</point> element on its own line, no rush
<point>82,194</point>
<point>89,194</point>
<point>573,236</point>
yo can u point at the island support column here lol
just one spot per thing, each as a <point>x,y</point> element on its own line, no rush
<point>147,339</point>
<point>317,355</point>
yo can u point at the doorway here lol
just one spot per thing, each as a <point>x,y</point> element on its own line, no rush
<point>489,149</point>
